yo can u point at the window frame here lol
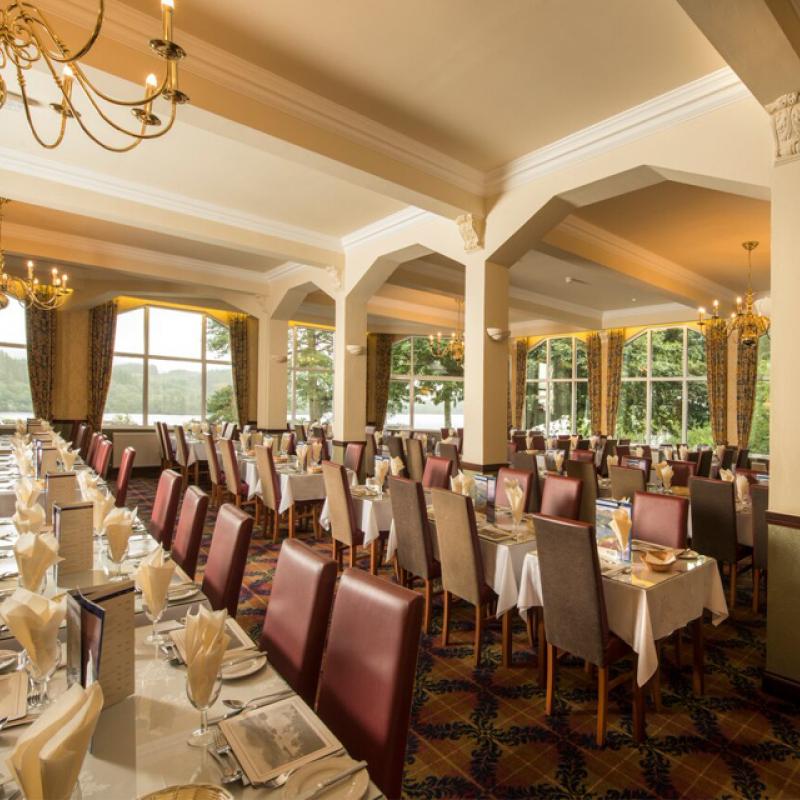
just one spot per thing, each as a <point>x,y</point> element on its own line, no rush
<point>292,367</point>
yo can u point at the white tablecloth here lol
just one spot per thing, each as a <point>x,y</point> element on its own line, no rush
<point>373,515</point>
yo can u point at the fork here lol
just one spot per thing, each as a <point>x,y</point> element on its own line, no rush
<point>223,748</point>
<point>280,780</point>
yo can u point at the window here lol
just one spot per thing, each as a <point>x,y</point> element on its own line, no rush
<point>15,387</point>
<point>172,366</point>
<point>426,389</point>
<point>664,393</point>
<point>759,434</point>
<point>310,374</point>
<point>557,390</point>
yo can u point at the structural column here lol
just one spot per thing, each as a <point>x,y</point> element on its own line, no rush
<point>272,360</point>
<point>486,370</point>
<point>350,369</point>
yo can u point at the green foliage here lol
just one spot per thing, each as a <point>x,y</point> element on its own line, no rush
<point>759,434</point>
<point>15,391</point>
<point>218,340</point>
<point>313,379</point>
<point>221,405</point>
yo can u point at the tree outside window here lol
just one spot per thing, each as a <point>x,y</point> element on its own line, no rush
<point>310,374</point>
<point>15,388</point>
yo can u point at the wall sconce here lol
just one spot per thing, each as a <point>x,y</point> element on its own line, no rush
<point>356,349</point>
<point>279,359</point>
<point>497,334</point>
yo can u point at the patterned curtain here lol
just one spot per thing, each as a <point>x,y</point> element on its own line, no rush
<point>746,374</point>
<point>102,327</point>
<point>594,352</point>
<point>521,376</point>
<point>40,329</point>
<point>238,335</point>
<point>383,369</point>
<point>616,343</point>
<point>717,370</point>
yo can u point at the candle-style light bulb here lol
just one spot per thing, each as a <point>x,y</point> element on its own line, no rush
<point>149,85</point>
<point>66,81</point>
<point>167,12</point>
<point>64,281</point>
<point>30,270</point>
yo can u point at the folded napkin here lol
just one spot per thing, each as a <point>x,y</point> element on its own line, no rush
<point>559,459</point>
<point>621,525</point>
<point>683,452</point>
<point>668,452</point>
<point>594,441</point>
<point>529,441</point>
<point>381,470</point>
<point>203,427</point>
<point>86,482</point>
<point>639,452</point>
<point>28,492</point>
<point>153,578</point>
<point>463,484</point>
<point>21,427</point>
<point>612,461</point>
<point>35,554</point>
<point>205,644</point>
<point>302,455</point>
<point>720,451</point>
<point>666,475</point>
<point>244,439</point>
<point>103,504</point>
<point>552,443</point>
<point>196,428</point>
<point>68,458</point>
<point>316,452</point>
<point>34,621</point>
<point>28,520</point>
<point>397,465</point>
<point>573,442</point>
<point>118,527</point>
<point>516,499</point>
<point>48,757</point>
<point>742,489</point>
<point>256,438</point>
<point>286,439</point>
<point>726,475</point>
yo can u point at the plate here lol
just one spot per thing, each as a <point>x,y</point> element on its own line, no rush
<point>307,778</point>
<point>244,668</point>
<point>182,593</point>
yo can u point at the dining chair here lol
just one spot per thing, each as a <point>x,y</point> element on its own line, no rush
<point>743,458</point>
<point>165,508</point>
<point>345,532</point>
<point>586,473</point>
<point>270,494</point>
<point>102,459</point>
<point>298,613</point>
<point>460,434</point>
<point>414,543</point>
<point>704,464</point>
<point>395,447</point>
<point>538,442</point>
<point>626,482</point>
<point>73,431</point>
<point>582,455</point>
<point>324,450</point>
<point>751,475</point>
<point>759,501</point>
<point>460,555</point>
<point>234,485</point>
<point>161,450</point>
<point>526,481</point>
<point>526,462</point>
<point>519,441</point>
<point>81,441</point>
<point>561,497</point>
<point>437,473</point>
<point>644,464</point>
<point>124,476</point>
<point>370,451</point>
<point>681,472</point>
<point>415,459</point>
<point>609,449</point>
<point>583,444</point>
<point>728,457</point>
<point>169,450</point>
<point>575,617</point>
<point>354,458</point>
<point>183,454</point>
<point>227,556</point>
<point>713,509</point>
<point>288,443</point>
<point>368,673</point>
<point>189,530</point>
<point>92,452</point>
<point>450,452</point>
<point>215,473</point>
<point>661,519</point>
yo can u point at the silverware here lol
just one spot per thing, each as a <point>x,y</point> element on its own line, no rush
<point>243,659</point>
<point>237,707</point>
<point>228,775</point>
<point>3,722</point>
<point>280,780</point>
<point>333,780</point>
<point>224,749</point>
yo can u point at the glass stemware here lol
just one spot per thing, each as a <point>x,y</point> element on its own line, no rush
<point>202,736</point>
<point>155,638</point>
<point>39,675</point>
<point>116,572</point>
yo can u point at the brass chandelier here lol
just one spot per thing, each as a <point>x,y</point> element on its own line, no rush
<point>29,291</point>
<point>27,38</point>
<point>750,324</point>
<point>453,346</point>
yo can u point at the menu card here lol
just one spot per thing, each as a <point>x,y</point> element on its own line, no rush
<point>72,526</point>
<point>46,461</point>
<point>61,488</point>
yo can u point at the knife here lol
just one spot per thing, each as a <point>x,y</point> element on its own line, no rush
<point>333,780</point>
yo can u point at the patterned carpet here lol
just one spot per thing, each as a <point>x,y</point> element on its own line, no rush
<point>483,732</point>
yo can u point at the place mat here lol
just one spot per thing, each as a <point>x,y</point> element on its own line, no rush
<point>14,695</point>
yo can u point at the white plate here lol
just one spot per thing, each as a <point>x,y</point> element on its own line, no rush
<point>307,778</point>
<point>182,594</point>
<point>244,668</point>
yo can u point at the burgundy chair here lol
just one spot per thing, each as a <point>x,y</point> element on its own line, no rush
<point>169,450</point>
<point>437,473</point>
<point>91,453</point>
<point>622,450</point>
<point>189,533</point>
<point>165,507</point>
<point>297,617</point>
<point>561,497</point>
<point>523,478</point>
<point>539,442</point>
<point>81,442</point>
<point>582,455</point>
<point>644,464</point>
<point>73,432</point>
<point>354,457</point>
<point>661,519</point>
<point>227,556</point>
<point>681,472</point>
<point>124,475</point>
<point>519,441</point>
<point>368,676</point>
<point>102,458</point>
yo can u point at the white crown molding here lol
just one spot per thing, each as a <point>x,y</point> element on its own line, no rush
<point>693,99</point>
<point>391,224</point>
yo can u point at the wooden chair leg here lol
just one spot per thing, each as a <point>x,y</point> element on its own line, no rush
<point>530,625</point>
<point>446,619</point>
<point>292,521</point>
<point>541,649</point>
<point>373,556</point>
<point>756,588</point>
<point>428,604</point>
<point>478,633</point>
<point>698,656</point>
<point>551,679</point>
<point>353,549</point>
<point>732,601</point>
<point>506,639</point>
<point>276,526</point>
<point>197,473</point>
<point>602,704</point>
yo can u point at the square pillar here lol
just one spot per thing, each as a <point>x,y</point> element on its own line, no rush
<point>350,370</point>
<point>273,335</point>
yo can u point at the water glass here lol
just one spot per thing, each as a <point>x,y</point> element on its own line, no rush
<point>202,736</point>
<point>39,675</point>
<point>155,638</point>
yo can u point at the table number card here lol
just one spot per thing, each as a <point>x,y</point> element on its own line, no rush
<point>72,525</point>
<point>60,488</point>
<point>46,461</point>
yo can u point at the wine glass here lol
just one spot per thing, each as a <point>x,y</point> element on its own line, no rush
<point>116,572</point>
<point>154,615</point>
<point>202,698</point>
<point>40,673</point>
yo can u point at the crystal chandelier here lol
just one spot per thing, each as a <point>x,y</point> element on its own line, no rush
<point>746,321</point>
<point>27,37</point>
<point>29,291</point>
<point>453,346</point>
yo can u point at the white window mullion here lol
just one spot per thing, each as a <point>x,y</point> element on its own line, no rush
<point>649,390</point>
<point>146,368</point>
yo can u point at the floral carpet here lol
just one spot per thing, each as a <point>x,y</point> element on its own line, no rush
<point>483,733</point>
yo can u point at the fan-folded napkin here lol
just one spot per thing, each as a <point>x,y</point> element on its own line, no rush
<point>302,455</point>
<point>726,475</point>
<point>559,459</point>
<point>463,484</point>
<point>153,578</point>
<point>34,621</point>
<point>516,499</point>
<point>28,520</point>
<point>720,451</point>
<point>316,452</point>
<point>666,474</point>
<point>621,525</point>
<point>668,453</point>
<point>286,440</point>
<point>103,503</point>
<point>381,470</point>
<point>205,646</point>
<point>28,492</point>
<point>683,452</point>
<point>68,458</point>
<point>86,482</point>
<point>742,489</point>
<point>612,461</point>
<point>35,554</point>
<point>244,439</point>
<point>398,466</point>
<point>639,452</point>
<point>118,527</point>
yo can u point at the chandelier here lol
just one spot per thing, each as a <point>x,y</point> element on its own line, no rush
<point>442,347</point>
<point>746,321</point>
<point>27,37</point>
<point>29,291</point>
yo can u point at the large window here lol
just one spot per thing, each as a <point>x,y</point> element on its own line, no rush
<point>664,394</point>
<point>310,374</point>
<point>15,388</point>
<point>171,366</point>
<point>426,390</point>
<point>557,391</point>
<point>759,434</point>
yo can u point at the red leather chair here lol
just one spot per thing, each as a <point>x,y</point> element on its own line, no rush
<point>582,455</point>
<point>124,475</point>
<point>165,507</point>
<point>298,613</point>
<point>189,533</point>
<point>561,497</point>
<point>354,457</point>
<point>682,471</point>
<point>660,519</point>
<point>81,440</point>
<point>102,457</point>
<point>91,454</point>
<point>368,677</point>
<point>523,478</point>
<point>437,473</point>
<point>227,556</point>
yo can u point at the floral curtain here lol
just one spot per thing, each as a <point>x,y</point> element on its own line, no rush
<point>594,351</point>
<point>616,343</point>
<point>520,378</point>
<point>40,329</point>
<point>717,371</point>
<point>378,379</point>
<point>102,327</point>
<point>746,374</point>
<point>237,327</point>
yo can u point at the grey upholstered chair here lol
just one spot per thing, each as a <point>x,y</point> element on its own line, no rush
<point>586,473</point>
<point>450,451</point>
<point>341,513</point>
<point>270,494</point>
<point>415,459</point>
<point>626,481</point>
<point>759,496</point>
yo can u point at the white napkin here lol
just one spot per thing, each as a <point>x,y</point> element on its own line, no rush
<point>463,484</point>
<point>203,427</point>
<point>68,458</point>
<point>28,520</point>
<point>381,470</point>
<point>316,452</point>
<point>559,459</point>
<point>594,441</point>
<point>666,475</point>
<point>639,452</point>
<point>573,442</point>
<point>28,491</point>
<point>205,646</point>
<point>683,452</point>
<point>397,466</point>
<point>286,439</point>
<point>34,621</point>
<point>720,451</point>
<point>21,427</point>
<point>48,757</point>
<point>35,554</point>
<point>86,481</point>
<point>302,456</point>
<point>726,475</point>
<point>153,578</point>
<point>742,489</point>
<point>552,443</point>
<point>516,499</point>
<point>621,525</point>
<point>529,441</point>
<point>612,461</point>
<point>668,453</point>
<point>244,439</point>
<point>103,504</point>
<point>118,527</point>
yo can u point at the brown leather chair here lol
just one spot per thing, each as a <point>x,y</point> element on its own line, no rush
<point>759,498</point>
<point>415,459</point>
<point>609,449</point>
<point>297,617</point>
<point>368,676</point>
<point>92,452</point>
<point>582,455</point>
<point>234,485</point>
<point>681,472</point>
<point>523,478</point>
<point>519,441</point>
<point>81,440</point>
<point>450,452</point>
<point>370,451</point>
<point>354,457</point>
<point>414,543</point>
<point>227,556</point>
<point>538,442</point>
<point>704,464</point>
<point>575,617</point>
<point>395,447</point>
<point>626,482</point>
<point>124,475</point>
<point>585,472</point>
<point>437,473</point>
<point>743,459</point>
<point>728,457</point>
<point>561,497</point>
<point>623,450</point>
<point>660,519</point>
<point>215,473</point>
<point>165,508</point>
<point>189,531</point>
<point>102,458</point>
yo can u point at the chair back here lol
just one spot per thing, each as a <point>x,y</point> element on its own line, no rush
<point>268,475</point>
<point>750,474</point>
<point>91,455</point>
<point>561,497</point>
<point>165,507</point>
<point>412,529</point>
<point>73,432</point>
<point>609,449</point>
<point>575,617</point>
<point>450,452</point>
<point>102,458</point>
<point>354,457</point>
<point>713,509</point>
<point>526,462</point>
<point>582,455</point>
<point>324,451</point>
<point>189,531</point>
<point>181,446</point>
<point>124,475</point>
<point>644,464</point>
<point>681,472</point>
<point>626,482</point>
<point>214,472</point>
<point>415,459</point>
<point>297,617</point>
<point>437,473</point>
<point>538,442</point>
<point>287,443</point>
<point>704,464</point>
<point>586,473</point>
<point>169,450</point>
<point>81,441</point>
<point>395,445</point>
<point>728,456</point>
<point>368,677</point>
<point>519,441</point>
<point>227,556</point>
<point>230,466</point>
<point>526,480</point>
<point>660,519</point>
<point>759,499</point>
<point>340,504</point>
<point>743,458</point>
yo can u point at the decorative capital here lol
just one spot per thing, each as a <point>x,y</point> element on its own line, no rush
<point>785,113</point>
<point>262,300</point>
<point>335,274</point>
<point>471,229</point>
